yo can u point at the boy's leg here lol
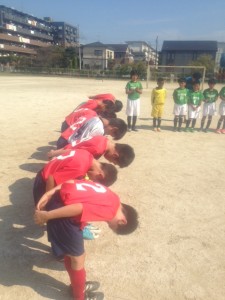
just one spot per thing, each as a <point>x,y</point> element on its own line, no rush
<point>188,122</point>
<point>208,123</point>
<point>154,123</point>
<point>203,122</point>
<point>175,121</point>
<point>134,123</point>
<point>223,130</point>
<point>129,122</point>
<point>159,123</point>
<point>219,123</point>
<point>180,122</point>
<point>78,276</point>
<point>193,123</point>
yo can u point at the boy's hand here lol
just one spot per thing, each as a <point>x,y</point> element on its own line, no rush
<point>40,217</point>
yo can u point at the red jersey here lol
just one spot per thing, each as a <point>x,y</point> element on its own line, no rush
<point>90,104</point>
<point>96,145</point>
<point>76,119</point>
<point>99,202</point>
<point>69,166</point>
<point>104,97</point>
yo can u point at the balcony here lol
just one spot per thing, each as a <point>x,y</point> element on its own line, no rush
<point>15,49</point>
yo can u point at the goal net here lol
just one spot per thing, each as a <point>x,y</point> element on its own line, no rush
<point>172,73</point>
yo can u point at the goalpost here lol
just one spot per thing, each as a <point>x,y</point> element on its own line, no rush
<point>172,73</point>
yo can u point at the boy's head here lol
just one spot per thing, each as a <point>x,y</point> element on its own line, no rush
<point>118,105</point>
<point>160,82</point>
<point>103,173</point>
<point>134,75</point>
<point>125,221</point>
<point>211,82</point>
<point>116,128</point>
<point>196,85</point>
<point>120,154</point>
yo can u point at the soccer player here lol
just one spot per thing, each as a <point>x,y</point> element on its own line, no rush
<point>180,97</point>
<point>133,91</point>
<point>118,154</point>
<point>194,106</point>
<point>221,112</point>
<point>209,106</point>
<point>74,164</point>
<point>87,126</point>
<point>158,98</point>
<point>73,204</point>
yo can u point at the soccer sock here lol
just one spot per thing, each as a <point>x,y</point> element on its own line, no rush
<point>134,121</point>
<point>175,121</point>
<point>154,122</point>
<point>223,122</point>
<point>129,121</point>
<point>188,122</point>
<point>78,278</point>
<point>208,123</point>
<point>202,122</point>
<point>219,123</point>
<point>193,123</point>
<point>159,122</point>
<point>180,121</point>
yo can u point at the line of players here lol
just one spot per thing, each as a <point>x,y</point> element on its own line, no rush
<point>67,200</point>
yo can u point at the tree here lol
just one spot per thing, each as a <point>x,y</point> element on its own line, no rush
<point>206,61</point>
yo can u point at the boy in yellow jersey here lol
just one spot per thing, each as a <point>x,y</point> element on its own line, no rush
<point>158,98</point>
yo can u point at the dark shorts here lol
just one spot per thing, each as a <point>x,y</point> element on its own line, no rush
<point>64,234</point>
<point>61,143</point>
<point>64,126</point>
<point>39,187</point>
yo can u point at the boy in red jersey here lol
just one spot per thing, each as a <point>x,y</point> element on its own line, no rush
<point>72,204</point>
<point>118,154</point>
<point>87,126</point>
<point>75,164</point>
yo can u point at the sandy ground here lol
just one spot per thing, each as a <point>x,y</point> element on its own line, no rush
<point>177,184</point>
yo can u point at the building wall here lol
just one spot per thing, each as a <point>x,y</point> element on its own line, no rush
<point>96,57</point>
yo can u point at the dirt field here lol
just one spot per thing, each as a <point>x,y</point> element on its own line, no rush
<point>177,184</point>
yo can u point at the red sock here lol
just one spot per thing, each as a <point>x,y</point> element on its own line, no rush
<point>78,278</point>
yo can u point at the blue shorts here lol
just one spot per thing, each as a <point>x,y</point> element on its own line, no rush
<point>61,143</point>
<point>39,187</point>
<point>64,234</point>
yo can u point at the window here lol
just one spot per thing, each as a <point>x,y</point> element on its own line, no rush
<point>98,52</point>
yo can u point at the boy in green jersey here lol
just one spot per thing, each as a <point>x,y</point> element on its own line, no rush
<point>209,106</point>
<point>221,112</point>
<point>194,106</point>
<point>180,97</point>
<point>133,91</point>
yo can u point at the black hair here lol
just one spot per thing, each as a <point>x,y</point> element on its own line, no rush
<point>118,106</point>
<point>110,174</point>
<point>160,79</point>
<point>133,73</point>
<point>107,114</point>
<point>132,220</point>
<point>126,154</point>
<point>181,80</point>
<point>109,105</point>
<point>212,81</point>
<point>121,127</point>
<point>196,75</point>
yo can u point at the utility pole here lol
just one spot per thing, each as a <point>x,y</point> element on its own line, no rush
<point>156,51</point>
<point>79,47</point>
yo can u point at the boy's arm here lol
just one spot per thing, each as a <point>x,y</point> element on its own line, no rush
<point>53,153</point>
<point>46,197</point>
<point>50,183</point>
<point>73,210</point>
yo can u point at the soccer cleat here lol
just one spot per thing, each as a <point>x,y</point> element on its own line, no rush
<point>186,129</point>
<point>88,235</point>
<point>218,131</point>
<point>93,228</point>
<point>223,131</point>
<point>158,129</point>
<point>154,129</point>
<point>91,286</point>
<point>134,129</point>
<point>175,129</point>
<point>94,296</point>
<point>205,130</point>
<point>192,130</point>
<point>179,129</point>
<point>128,129</point>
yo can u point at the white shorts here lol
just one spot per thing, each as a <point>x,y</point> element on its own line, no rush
<point>193,114</point>
<point>133,107</point>
<point>209,109</point>
<point>222,108</point>
<point>180,109</point>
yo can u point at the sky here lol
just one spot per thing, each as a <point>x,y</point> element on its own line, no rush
<point>118,21</point>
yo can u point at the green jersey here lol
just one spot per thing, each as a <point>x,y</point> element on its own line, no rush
<point>181,96</point>
<point>195,98</point>
<point>222,92</point>
<point>210,95</point>
<point>132,85</point>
